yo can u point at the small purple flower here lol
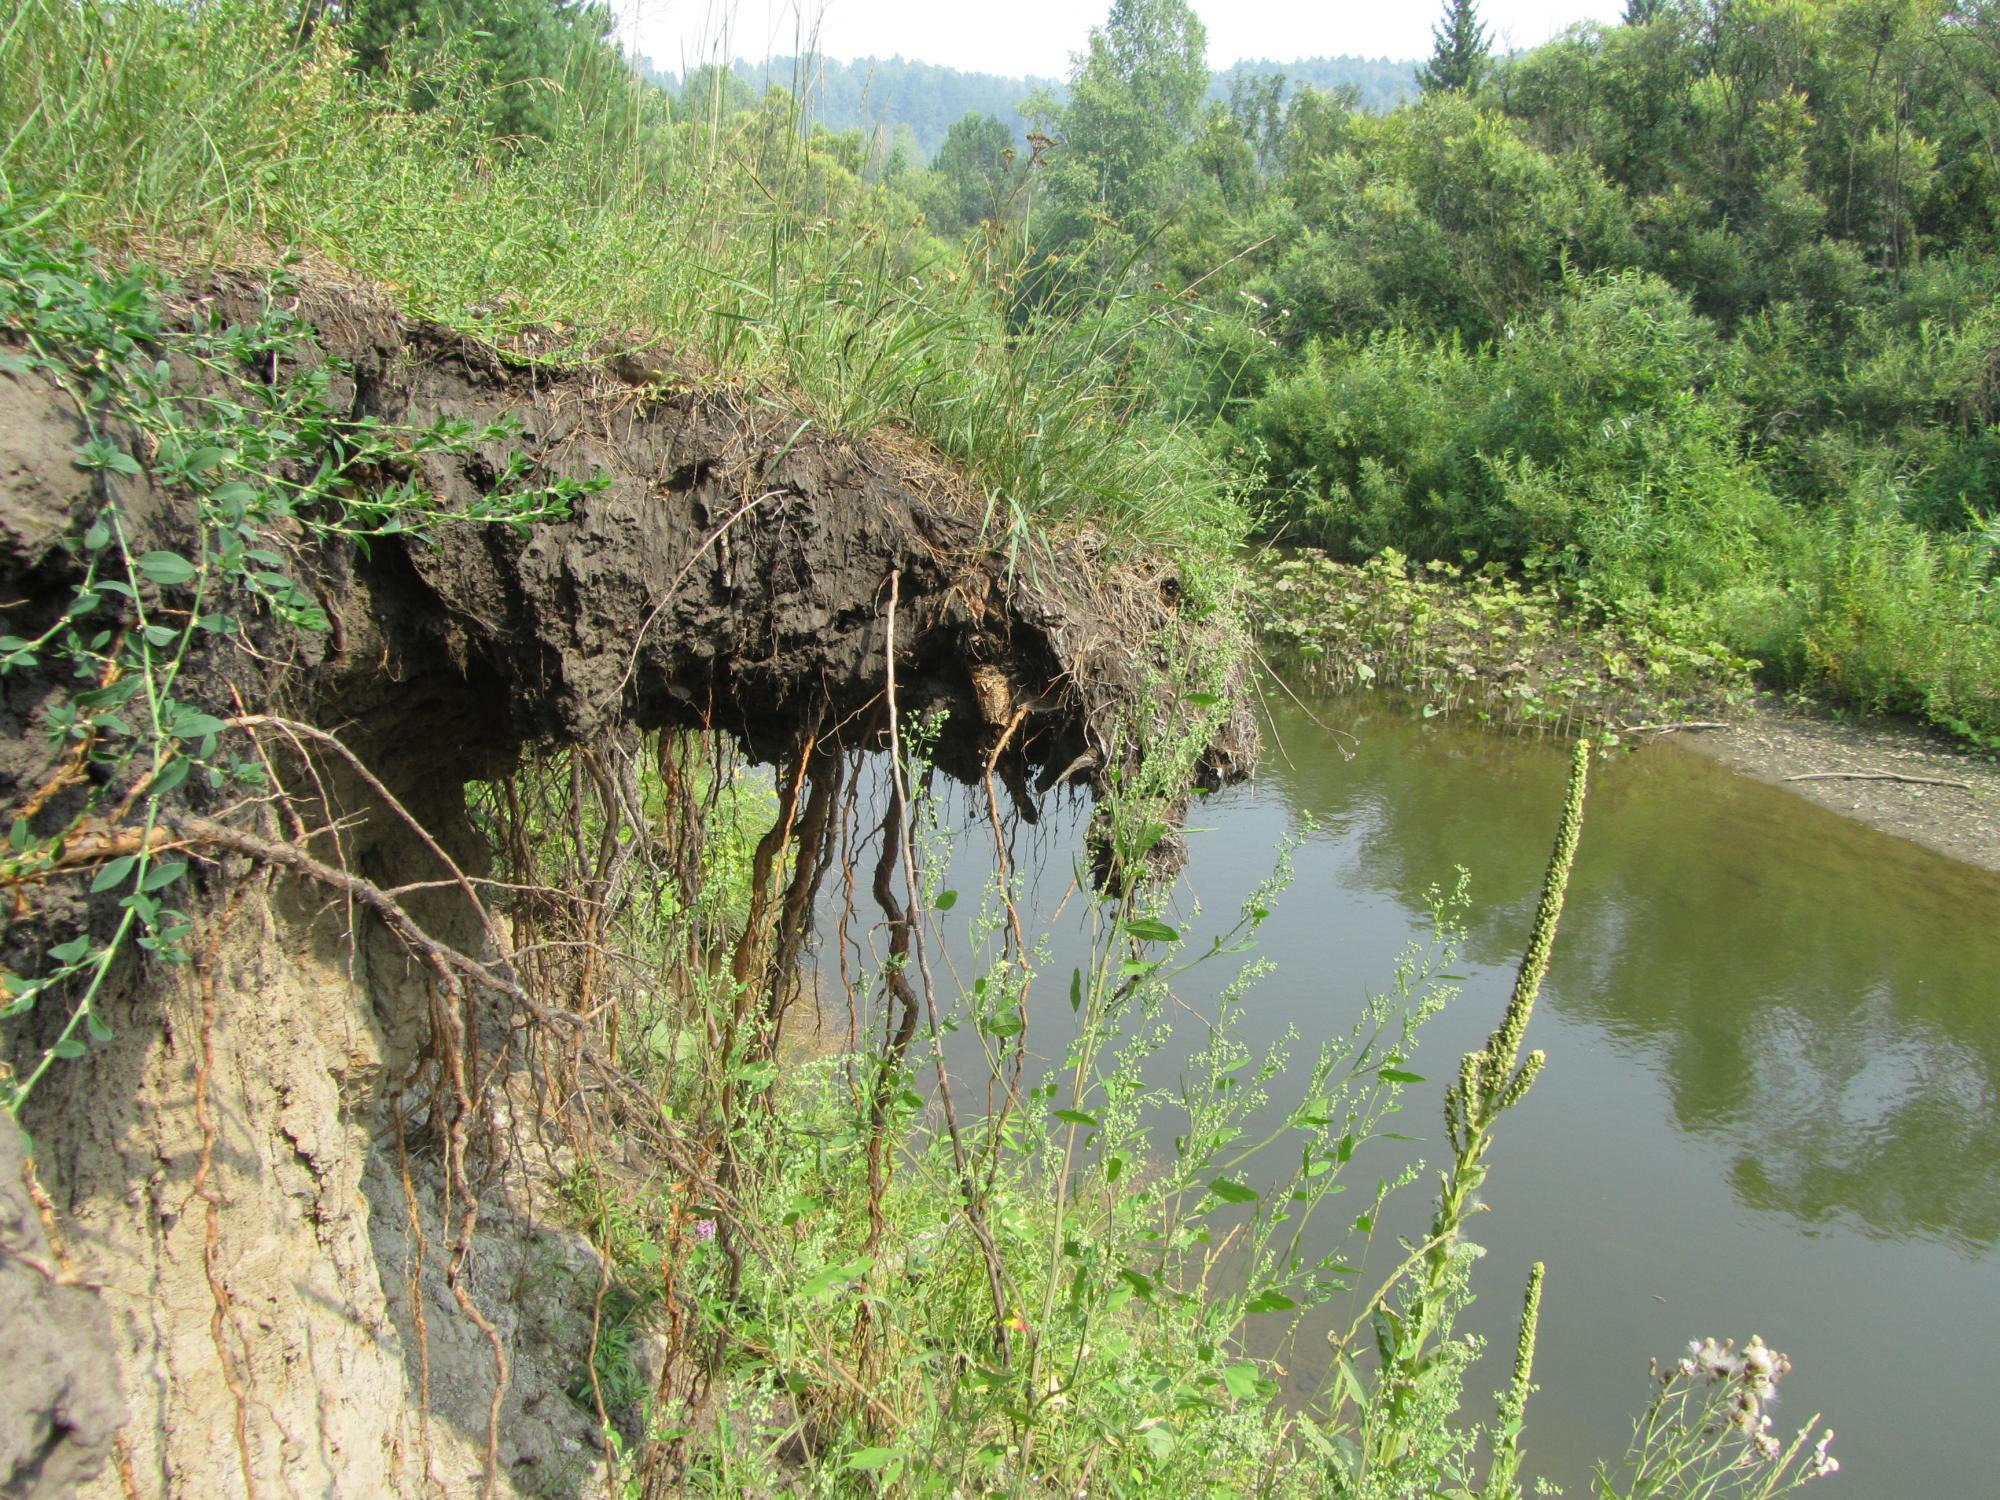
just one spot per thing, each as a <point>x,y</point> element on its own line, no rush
<point>703,1230</point>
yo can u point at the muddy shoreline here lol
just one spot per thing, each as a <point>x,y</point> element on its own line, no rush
<point>1779,744</point>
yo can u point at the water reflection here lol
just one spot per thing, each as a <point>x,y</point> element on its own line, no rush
<point>1813,994</point>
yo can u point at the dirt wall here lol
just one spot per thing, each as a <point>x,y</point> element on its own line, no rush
<point>251,1204</point>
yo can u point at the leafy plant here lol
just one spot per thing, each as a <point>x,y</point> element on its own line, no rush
<point>238,431</point>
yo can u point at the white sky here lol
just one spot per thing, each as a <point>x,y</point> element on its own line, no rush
<point>1021,37</point>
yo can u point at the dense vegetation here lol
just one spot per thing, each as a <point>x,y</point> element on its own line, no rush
<point>1695,311</point>
<point>1698,308</point>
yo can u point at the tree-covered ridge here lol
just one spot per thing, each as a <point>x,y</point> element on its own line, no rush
<point>1379,84</point>
<point>1697,310</point>
<point>918,102</point>
<point>891,95</point>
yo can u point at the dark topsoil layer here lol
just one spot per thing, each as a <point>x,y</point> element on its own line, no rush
<point>735,574</point>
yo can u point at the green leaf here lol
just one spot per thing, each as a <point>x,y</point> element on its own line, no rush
<point>69,1046</point>
<point>870,1459</point>
<point>947,900</point>
<point>1265,1302</point>
<point>191,724</point>
<point>164,568</point>
<point>833,1276</point>
<point>101,454</point>
<point>114,873</point>
<point>1232,1192</point>
<point>1076,1117</point>
<point>758,1075</point>
<point>1399,1075</point>
<point>1148,930</point>
<point>1158,1438</point>
<point>98,1029</point>
<point>1241,1380</point>
<point>1076,989</point>
<point>163,875</point>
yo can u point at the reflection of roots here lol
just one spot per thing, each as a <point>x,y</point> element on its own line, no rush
<point>901,1025</point>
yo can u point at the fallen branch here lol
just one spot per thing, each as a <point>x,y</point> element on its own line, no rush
<point>1963,786</point>
<point>1675,727</point>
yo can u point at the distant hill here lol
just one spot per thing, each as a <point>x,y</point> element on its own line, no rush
<point>895,93</point>
<point>1380,83</point>
<point>888,93</point>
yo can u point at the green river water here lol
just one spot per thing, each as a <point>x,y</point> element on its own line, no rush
<point>1770,1104</point>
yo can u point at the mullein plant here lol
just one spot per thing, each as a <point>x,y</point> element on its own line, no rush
<point>1408,1431</point>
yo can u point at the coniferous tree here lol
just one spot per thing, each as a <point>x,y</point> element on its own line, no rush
<point>1459,59</point>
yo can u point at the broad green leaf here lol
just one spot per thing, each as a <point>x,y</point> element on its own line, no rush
<point>1232,1192</point>
<point>114,873</point>
<point>165,568</point>
<point>163,875</point>
<point>1241,1380</point>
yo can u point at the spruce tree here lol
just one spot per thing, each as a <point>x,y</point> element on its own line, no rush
<point>1459,58</point>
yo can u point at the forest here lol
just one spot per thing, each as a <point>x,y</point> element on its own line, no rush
<point>1697,309</point>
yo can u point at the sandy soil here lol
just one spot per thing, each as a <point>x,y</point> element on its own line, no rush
<point>1778,744</point>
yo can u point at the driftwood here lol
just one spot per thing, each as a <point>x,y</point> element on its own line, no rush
<point>1880,776</point>
<point>1674,727</point>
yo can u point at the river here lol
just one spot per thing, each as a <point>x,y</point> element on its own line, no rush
<point>1773,1048</point>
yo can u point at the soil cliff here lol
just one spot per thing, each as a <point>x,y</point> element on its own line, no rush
<point>301,1192</point>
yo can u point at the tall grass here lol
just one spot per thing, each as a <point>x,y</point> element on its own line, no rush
<point>225,132</point>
